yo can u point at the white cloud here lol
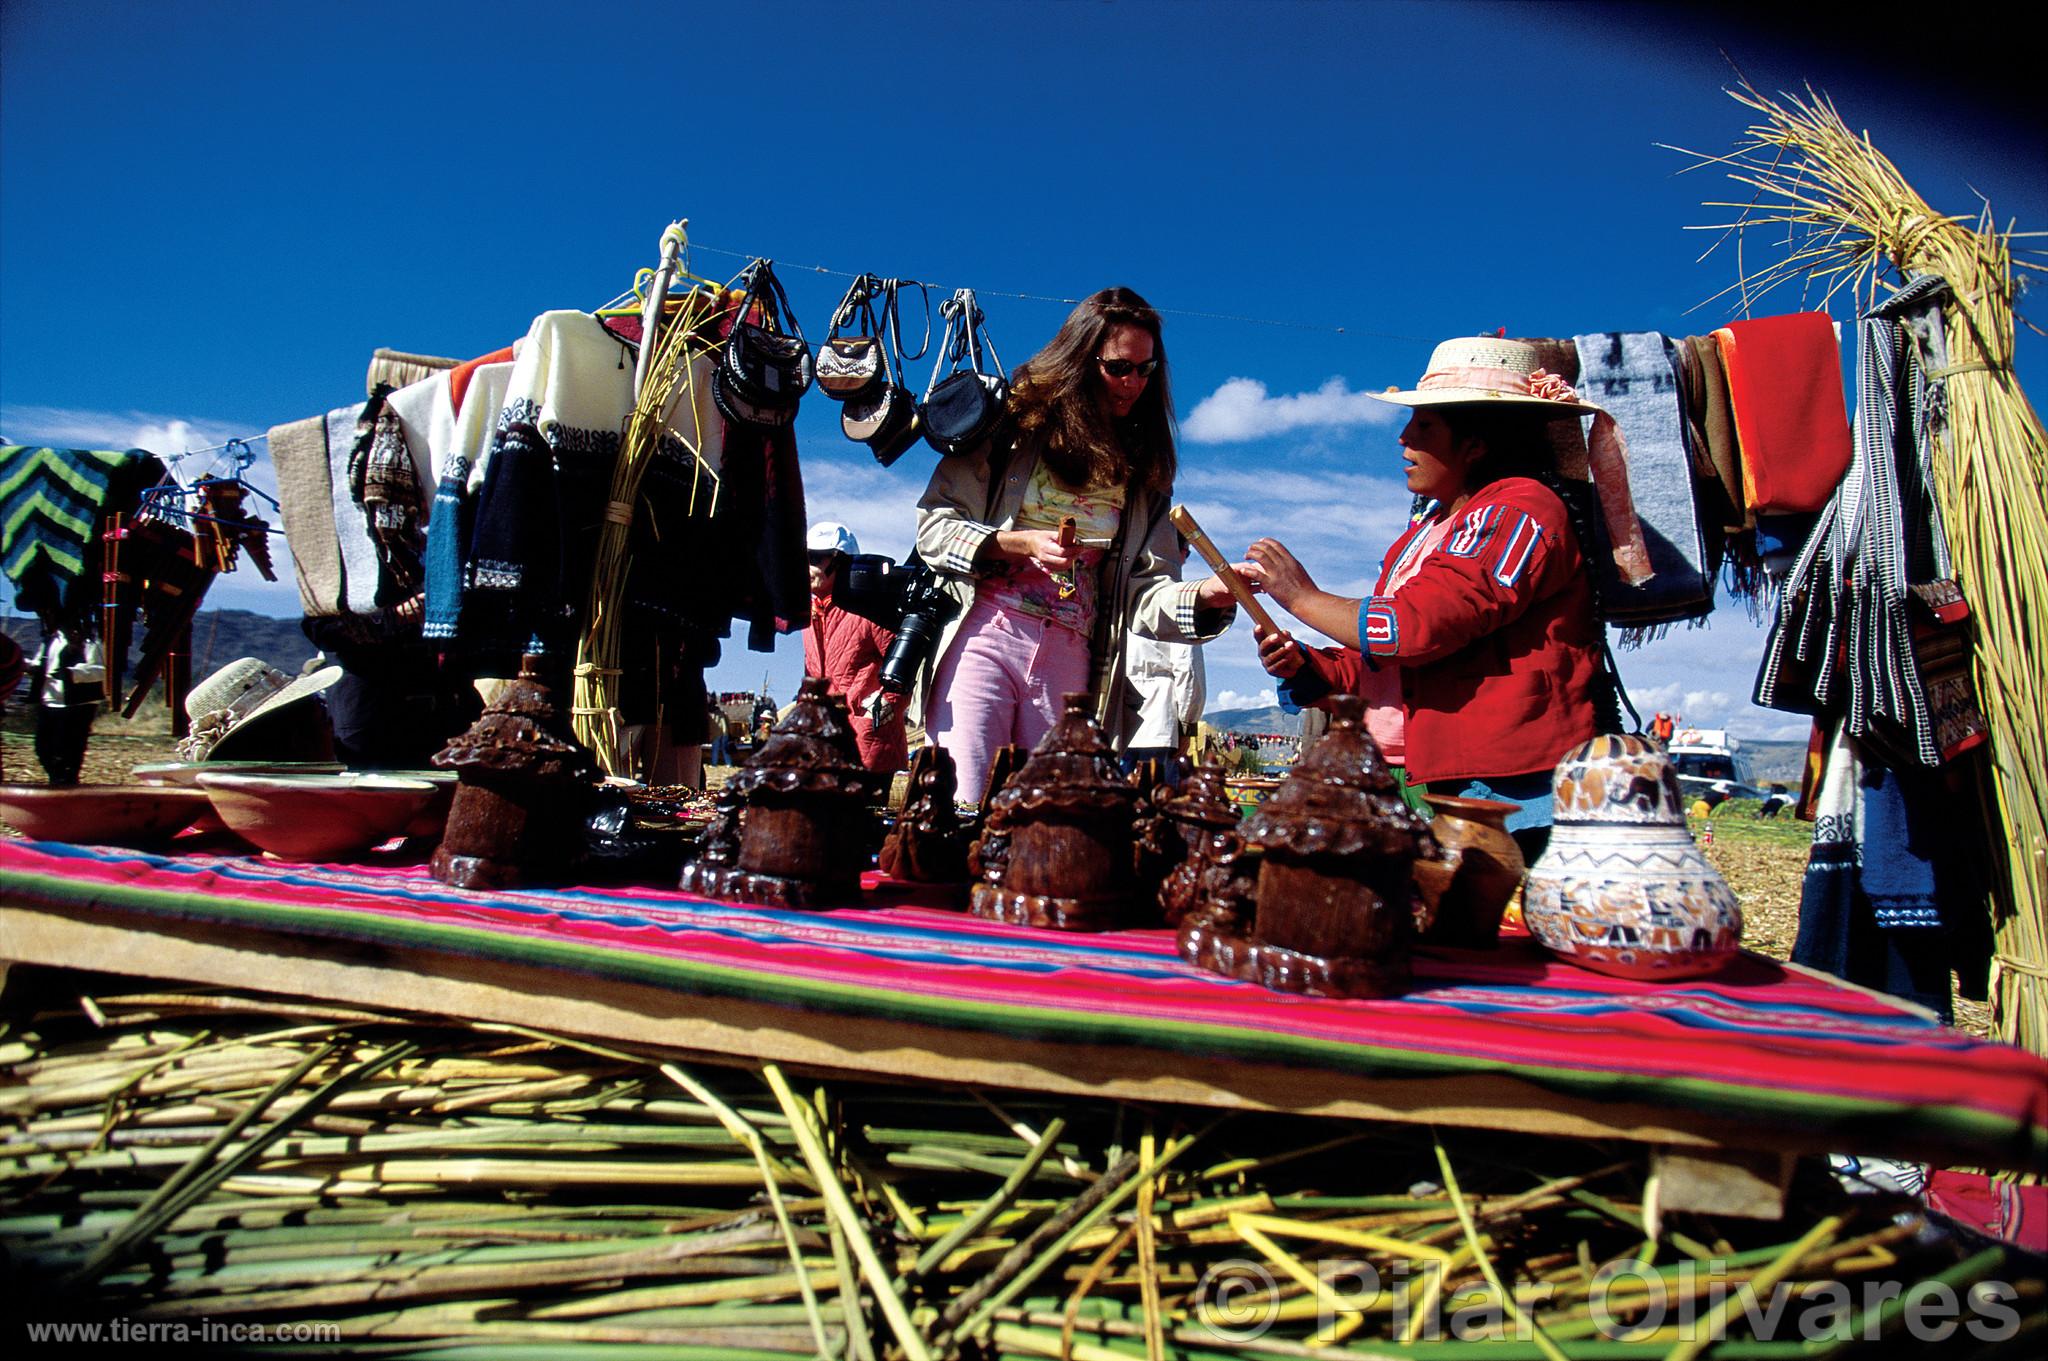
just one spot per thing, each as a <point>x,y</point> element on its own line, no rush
<point>1242,409</point>
<point>1234,699</point>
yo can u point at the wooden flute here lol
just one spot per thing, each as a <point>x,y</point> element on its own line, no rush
<point>1220,565</point>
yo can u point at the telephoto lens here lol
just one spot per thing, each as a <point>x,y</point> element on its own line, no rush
<point>927,606</point>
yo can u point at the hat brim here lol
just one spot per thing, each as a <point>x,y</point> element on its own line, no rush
<point>1420,397</point>
<point>259,729</point>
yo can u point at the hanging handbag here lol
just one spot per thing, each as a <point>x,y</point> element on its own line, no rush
<point>963,405</point>
<point>763,371</point>
<point>887,419</point>
<point>851,367</point>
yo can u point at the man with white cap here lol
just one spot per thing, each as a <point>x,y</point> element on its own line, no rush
<point>847,651</point>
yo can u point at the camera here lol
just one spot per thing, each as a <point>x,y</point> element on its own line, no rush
<point>907,597</point>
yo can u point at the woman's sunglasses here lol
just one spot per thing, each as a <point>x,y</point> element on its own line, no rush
<point>1124,368</point>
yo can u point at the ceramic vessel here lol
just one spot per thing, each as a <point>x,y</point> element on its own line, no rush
<point>103,815</point>
<point>315,817</point>
<point>803,832</point>
<point>1172,830</point>
<point>524,785</point>
<point>1335,901</point>
<point>1064,821</point>
<point>928,843</point>
<point>1622,889</point>
<point>1479,867</point>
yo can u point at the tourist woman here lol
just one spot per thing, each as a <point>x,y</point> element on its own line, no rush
<point>1479,642</point>
<point>1089,437</point>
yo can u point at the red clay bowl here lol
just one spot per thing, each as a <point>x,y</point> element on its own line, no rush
<point>316,817</point>
<point>100,814</point>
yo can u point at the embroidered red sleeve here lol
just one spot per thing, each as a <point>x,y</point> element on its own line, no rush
<point>1485,574</point>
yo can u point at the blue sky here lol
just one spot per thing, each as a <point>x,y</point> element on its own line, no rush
<point>215,211</point>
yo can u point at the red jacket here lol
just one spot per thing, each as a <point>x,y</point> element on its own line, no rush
<point>1494,635</point>
<point>847,651</point>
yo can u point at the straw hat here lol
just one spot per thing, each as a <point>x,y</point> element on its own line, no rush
<point>1485,370</point>
<point>226,707</point>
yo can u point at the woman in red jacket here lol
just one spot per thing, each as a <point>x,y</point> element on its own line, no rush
<point>1480,636</point>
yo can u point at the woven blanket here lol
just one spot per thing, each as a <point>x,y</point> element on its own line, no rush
<point>50,501</point>
<point>1632,376</point>
<point>305,494</point>
<point>1785,381</point>
<point>1756,1042</point>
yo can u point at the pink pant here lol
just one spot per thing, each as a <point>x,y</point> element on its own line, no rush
<point>1001,684</point>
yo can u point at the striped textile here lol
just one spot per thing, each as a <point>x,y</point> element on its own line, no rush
<point>50,500</point>
<point>1755,1043</point>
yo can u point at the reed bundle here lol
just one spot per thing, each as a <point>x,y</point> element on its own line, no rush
<point>1836,215</point>
<point>669,407</point>
<point>540,1196</point>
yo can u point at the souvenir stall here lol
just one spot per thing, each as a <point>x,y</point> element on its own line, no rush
<point>499,1056</point>
<point>93,540</point>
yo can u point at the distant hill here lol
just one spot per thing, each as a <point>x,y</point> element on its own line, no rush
<point>218,637</point>
<point>1271,718</point>
<point>1779,761</point>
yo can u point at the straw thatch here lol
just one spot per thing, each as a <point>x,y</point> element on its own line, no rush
<point>409,1186</point>
<point>1833,216</point>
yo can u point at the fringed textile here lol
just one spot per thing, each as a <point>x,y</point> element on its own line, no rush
<point>1632,376</point>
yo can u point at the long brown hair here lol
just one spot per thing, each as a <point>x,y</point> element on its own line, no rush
<point>1056,395</point>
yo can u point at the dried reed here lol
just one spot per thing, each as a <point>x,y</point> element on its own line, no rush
<point>1836,218</point>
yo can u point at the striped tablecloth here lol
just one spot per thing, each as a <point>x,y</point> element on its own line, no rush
<point>1755,1043</point>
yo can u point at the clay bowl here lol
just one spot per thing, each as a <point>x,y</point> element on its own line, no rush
<point>316,817</point>
<point>187,773</point>
<point>100,814</point>
<point>432,819</point>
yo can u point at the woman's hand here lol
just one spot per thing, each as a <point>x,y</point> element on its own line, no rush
<point>1280,573</point>
<point>1279,653</point>
<point>1212,594</point>
<point>1041,547</point>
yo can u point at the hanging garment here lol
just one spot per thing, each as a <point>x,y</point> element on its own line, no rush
<point>384,484</point>
<point>1633,377</point>
<point>359,570</point>
<point>1889,900</point>
<point>460,418</point>
<point>1843,638</point>
<point>305,495</point>
<point>51,505</point>
<point>1713,413</point>
<point>397,369</point>
<point>1785,381</point>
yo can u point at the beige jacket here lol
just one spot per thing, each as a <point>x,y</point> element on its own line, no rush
<point>971,496</point>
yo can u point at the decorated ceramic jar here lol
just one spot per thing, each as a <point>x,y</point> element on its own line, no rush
<point>1621,888</point>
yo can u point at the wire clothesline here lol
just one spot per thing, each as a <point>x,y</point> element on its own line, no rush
<point>983,292</point>
<point>1069,302</point>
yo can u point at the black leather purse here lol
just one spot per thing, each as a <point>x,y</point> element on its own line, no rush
<point>888,419</point>
<point>852,367</point>
<point>962,406</point>
<point>763,371</point>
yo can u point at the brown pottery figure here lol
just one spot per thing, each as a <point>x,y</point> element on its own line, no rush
<point>522,786</point>
<point>1173,826</point>
<point>1467,888</point>
<point>1066,817</point>
<point>1336,901</point>
<point>928,845</point>
<point>803,838</point>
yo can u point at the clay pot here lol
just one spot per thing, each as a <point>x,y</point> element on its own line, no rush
<point>1467,888</point>
<point>523,785</point>
<point>800,804</point>
<point>1335,902</point>
<point>1061,831</point>
<point>1622,889</point>
<point>316,817</point>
